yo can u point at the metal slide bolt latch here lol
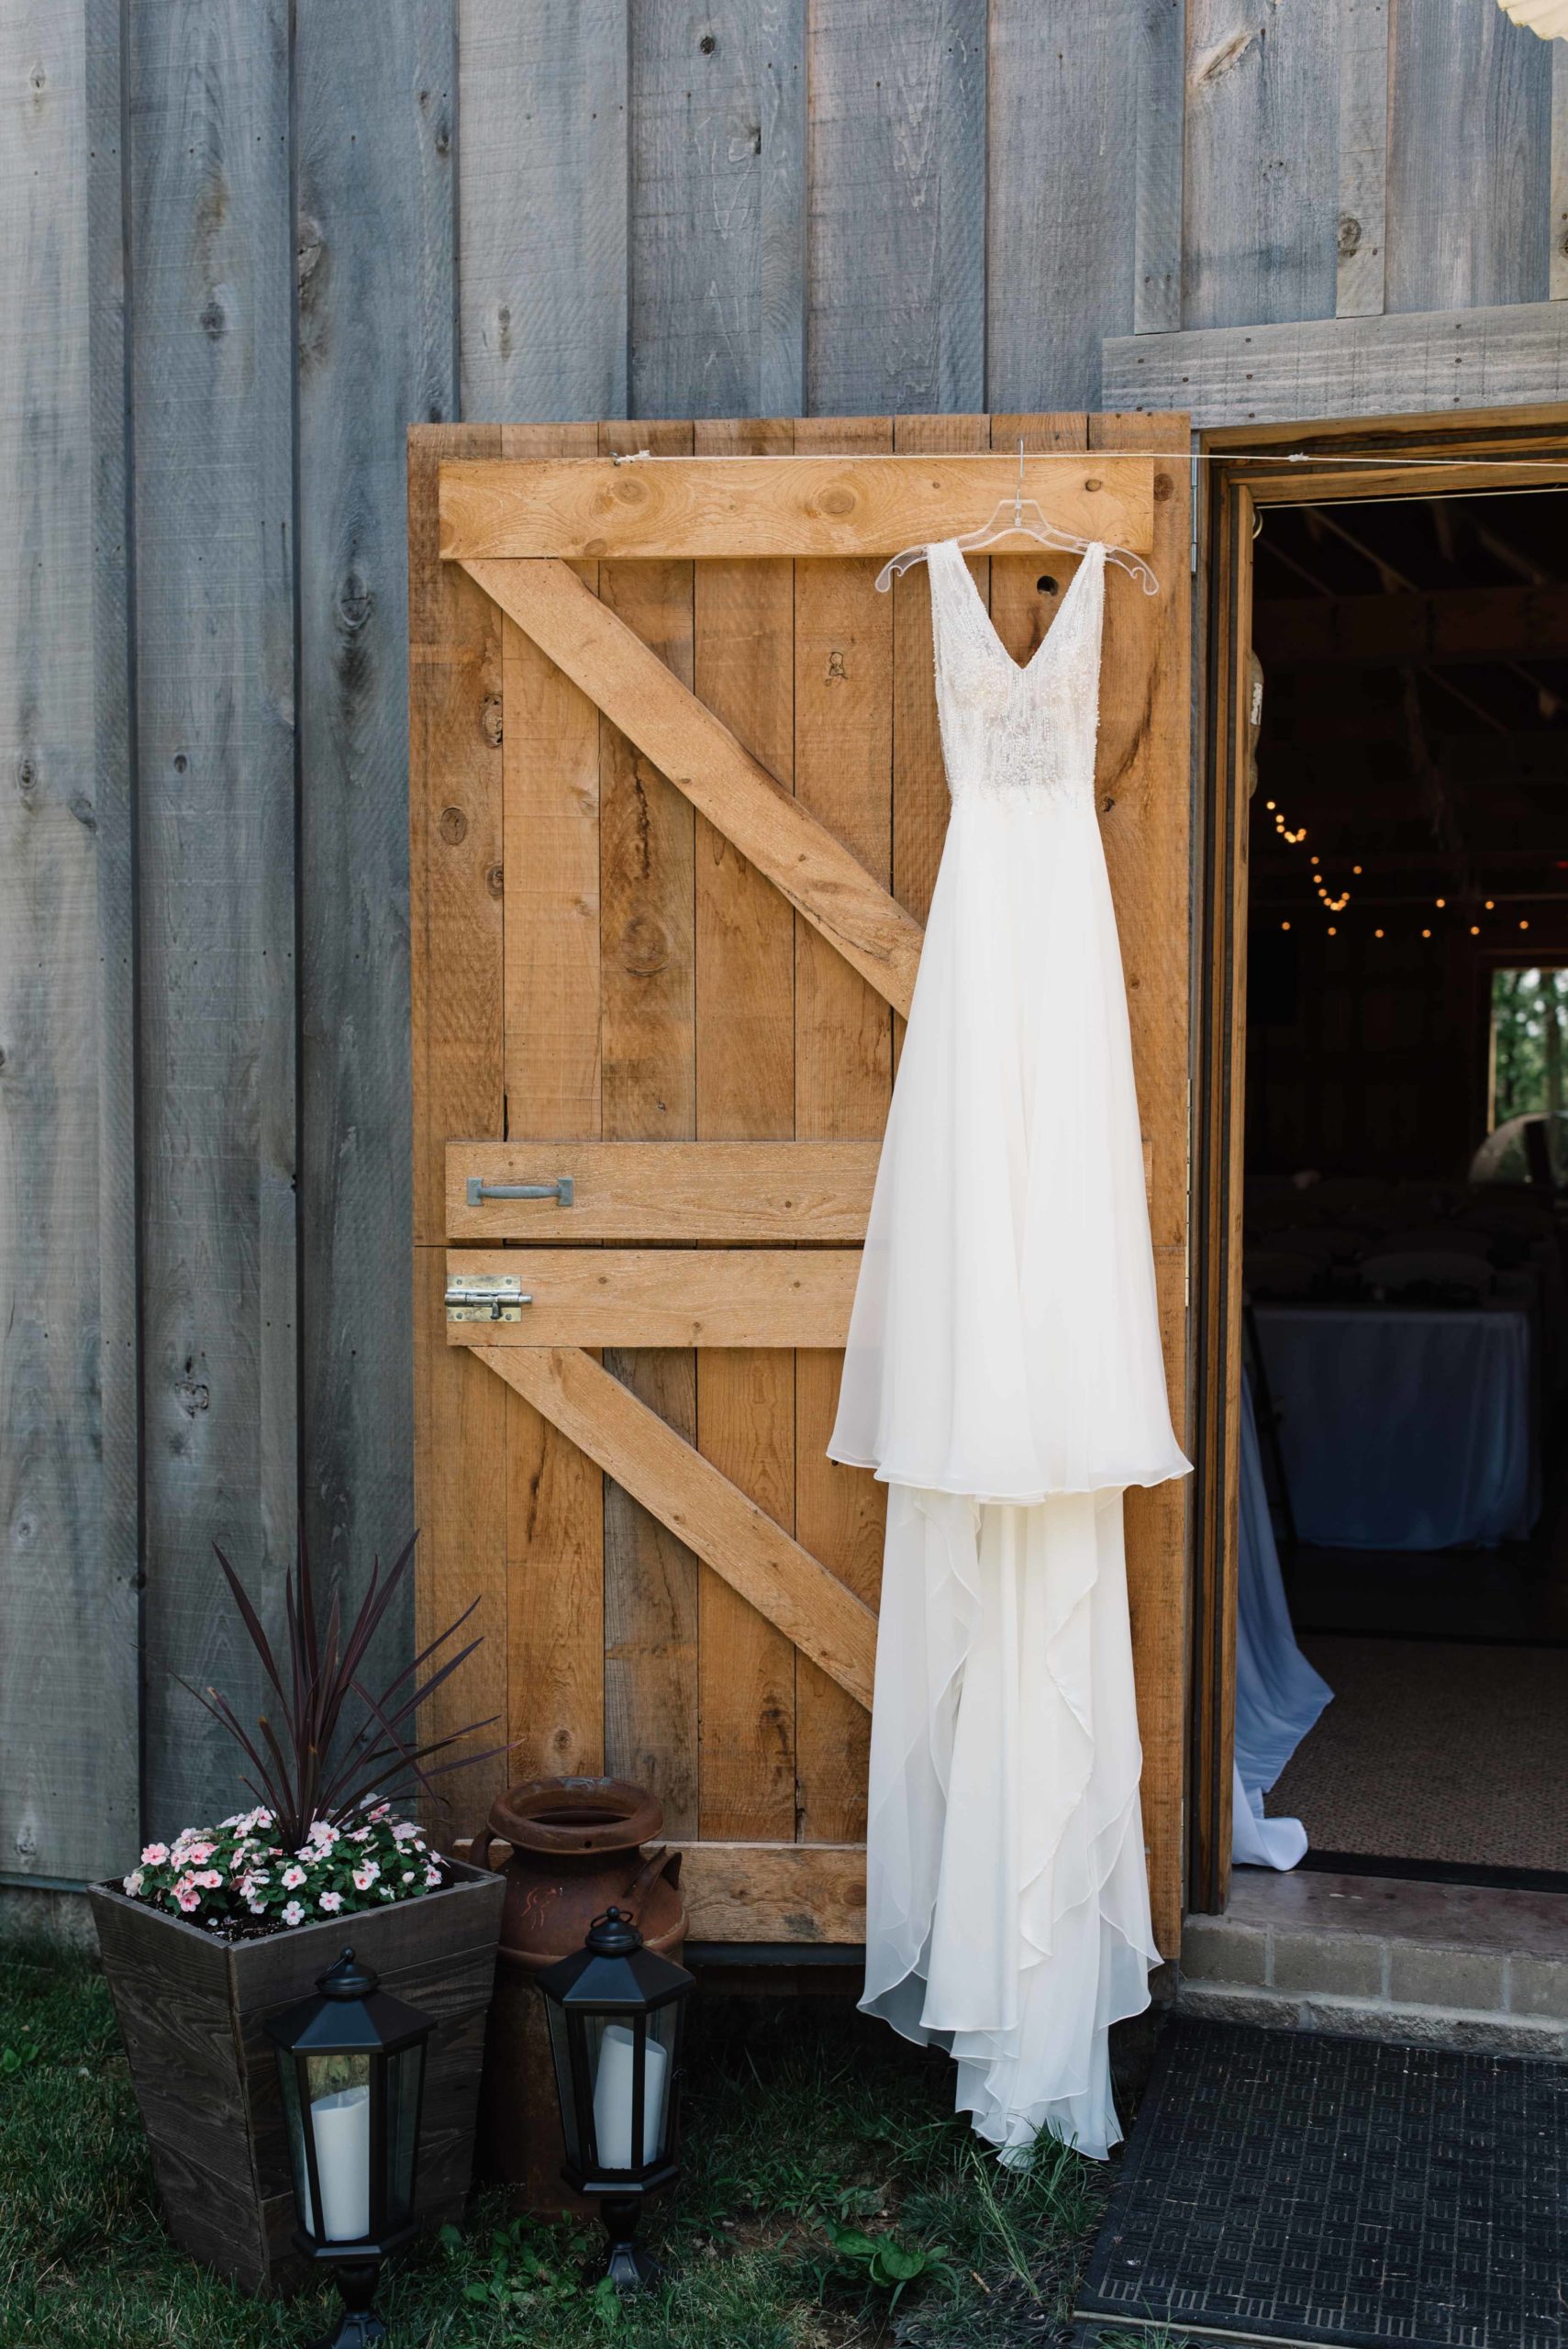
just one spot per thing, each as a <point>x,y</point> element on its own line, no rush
<point>561,1190</point>
<point>487,1296</point>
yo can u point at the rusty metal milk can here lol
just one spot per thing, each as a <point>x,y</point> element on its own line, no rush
<point>577,1845</point>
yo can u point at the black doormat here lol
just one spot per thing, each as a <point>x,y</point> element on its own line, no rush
<point>1282,2186</point>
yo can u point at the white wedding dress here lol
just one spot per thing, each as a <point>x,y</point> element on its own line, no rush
<point>1004,1379</point>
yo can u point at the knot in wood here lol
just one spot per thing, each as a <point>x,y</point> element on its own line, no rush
<point>454,826</point>
<point>839,499</point>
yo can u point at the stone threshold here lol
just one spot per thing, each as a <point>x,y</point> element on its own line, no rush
<point>1436,1964</point>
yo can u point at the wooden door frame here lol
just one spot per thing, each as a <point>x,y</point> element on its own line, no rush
<point>1247,470</point>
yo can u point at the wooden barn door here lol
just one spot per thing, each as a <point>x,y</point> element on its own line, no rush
<point>677,808</point>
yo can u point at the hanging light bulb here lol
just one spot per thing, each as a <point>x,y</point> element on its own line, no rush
<point>1524,925</point>
<point>1285,925</point>
<point>1356,868</point>
<point>1377,933</point>
<point>1491,906</point>
<point>1474,930</point>
<point>1439,902</point>
<point>1426,933</point>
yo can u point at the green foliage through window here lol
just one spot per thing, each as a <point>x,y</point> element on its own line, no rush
<point>1529,1028</point>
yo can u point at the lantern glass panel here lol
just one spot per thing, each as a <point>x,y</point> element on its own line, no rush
<point>404,2081</point>
<point>339,2086</point>
<point>575,2116</point>
<point>615,2050</point>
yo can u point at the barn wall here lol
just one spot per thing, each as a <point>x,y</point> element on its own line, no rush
<point>332,221</point>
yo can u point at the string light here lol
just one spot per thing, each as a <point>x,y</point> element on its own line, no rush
<point>1524,925</point>
<point>1474,933</point>
<point>1426,933</point>
<point>1491,907</point>
<point>1285,925</point>
<point>1439,902</point>
<point>1377,933</point>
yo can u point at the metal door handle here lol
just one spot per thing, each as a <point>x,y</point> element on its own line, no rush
<point>561,1190</point>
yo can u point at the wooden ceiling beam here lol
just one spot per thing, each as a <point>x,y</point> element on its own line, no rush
<point>1403,630</point>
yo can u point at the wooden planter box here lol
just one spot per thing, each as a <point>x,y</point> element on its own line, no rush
<point>191,2010</point>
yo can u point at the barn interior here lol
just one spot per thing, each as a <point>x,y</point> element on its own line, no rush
<point>1406,1329</point>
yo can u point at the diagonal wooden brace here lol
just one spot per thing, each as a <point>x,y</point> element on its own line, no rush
<point>703,759</point>
<point>741,1541</point>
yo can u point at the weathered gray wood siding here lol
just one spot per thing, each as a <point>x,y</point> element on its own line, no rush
<point>341,219</point>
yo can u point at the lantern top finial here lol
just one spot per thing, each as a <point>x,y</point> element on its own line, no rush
<point>350,1978</point>
<point>613,1934</point>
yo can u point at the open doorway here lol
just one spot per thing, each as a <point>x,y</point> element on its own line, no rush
<point>1402,1528</point>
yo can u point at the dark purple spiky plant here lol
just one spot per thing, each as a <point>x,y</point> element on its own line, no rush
<point>304,1768</point>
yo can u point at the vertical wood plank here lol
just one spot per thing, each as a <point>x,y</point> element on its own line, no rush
<point>897,199</point>
<point>462,1470</point>
<point>68,1797</point>
<point>1141,781</point>
<point>843,771</point>
<point>456,965</point>
<point>1468,158</point>
<point>717,229</point>
<point>1085,183</point>
<point>373,116</point>
<point>745,960</point>
<point>1262,195</point>
<point>549,886</point>
<point>1363,152</point>
<point>1157,195</point>
<point>649,1047</point>
<point>549,869</point>
<point>211,335</point>
<point>920,800</point>
<point>542,175</point>
<point>1557,259</point>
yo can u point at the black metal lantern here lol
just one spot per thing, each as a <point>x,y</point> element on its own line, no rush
<point>351,2070</point>
<point>614,2010</point>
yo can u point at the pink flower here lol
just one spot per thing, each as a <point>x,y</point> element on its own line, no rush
<point>381,1810</point>
<point>291,1876</point>
<point>155,1855</point>
<point>432,1876</point>
<point>404,1829</point>
<point>293,1914</point>
<point>361,1835</point>
<point>187,1897</point>
<point>321,1832</point>
<point>209,1879</point>
<point>366,1874</point>
<point>133,1882</point>
<point>407,1875</point>
<point>330,1902</point>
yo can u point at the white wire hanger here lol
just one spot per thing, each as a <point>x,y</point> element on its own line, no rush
<point>1026,518</point>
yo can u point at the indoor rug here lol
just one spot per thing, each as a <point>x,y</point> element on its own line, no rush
<point>1286,2186</point>
<point>1432,1750</point>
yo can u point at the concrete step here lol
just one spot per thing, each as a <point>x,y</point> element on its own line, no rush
<point>1438,1964</point>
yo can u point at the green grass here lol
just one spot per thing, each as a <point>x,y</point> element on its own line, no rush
<point>828,2199</point>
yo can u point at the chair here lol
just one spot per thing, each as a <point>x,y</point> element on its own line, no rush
<point>1279,1275</point>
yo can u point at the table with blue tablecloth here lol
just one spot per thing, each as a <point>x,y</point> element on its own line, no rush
<point>1402,1426</point>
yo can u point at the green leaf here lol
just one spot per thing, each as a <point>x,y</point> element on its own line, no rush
<point>897,2264</point>
<point>606,2304</point>
<point>851,2241</point>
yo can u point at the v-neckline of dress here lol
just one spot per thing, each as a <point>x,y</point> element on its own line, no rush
<point>1022,668</point>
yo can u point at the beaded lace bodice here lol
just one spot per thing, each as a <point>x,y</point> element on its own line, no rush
<point>1010,730</point>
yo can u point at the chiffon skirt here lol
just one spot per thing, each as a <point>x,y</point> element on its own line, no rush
<point>1003,1377</point>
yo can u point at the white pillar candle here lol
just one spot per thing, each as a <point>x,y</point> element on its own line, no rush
<point>342,2123</point>
<point>612,2096</point>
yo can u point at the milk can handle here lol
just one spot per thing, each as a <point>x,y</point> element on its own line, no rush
<point>660,1861</point>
